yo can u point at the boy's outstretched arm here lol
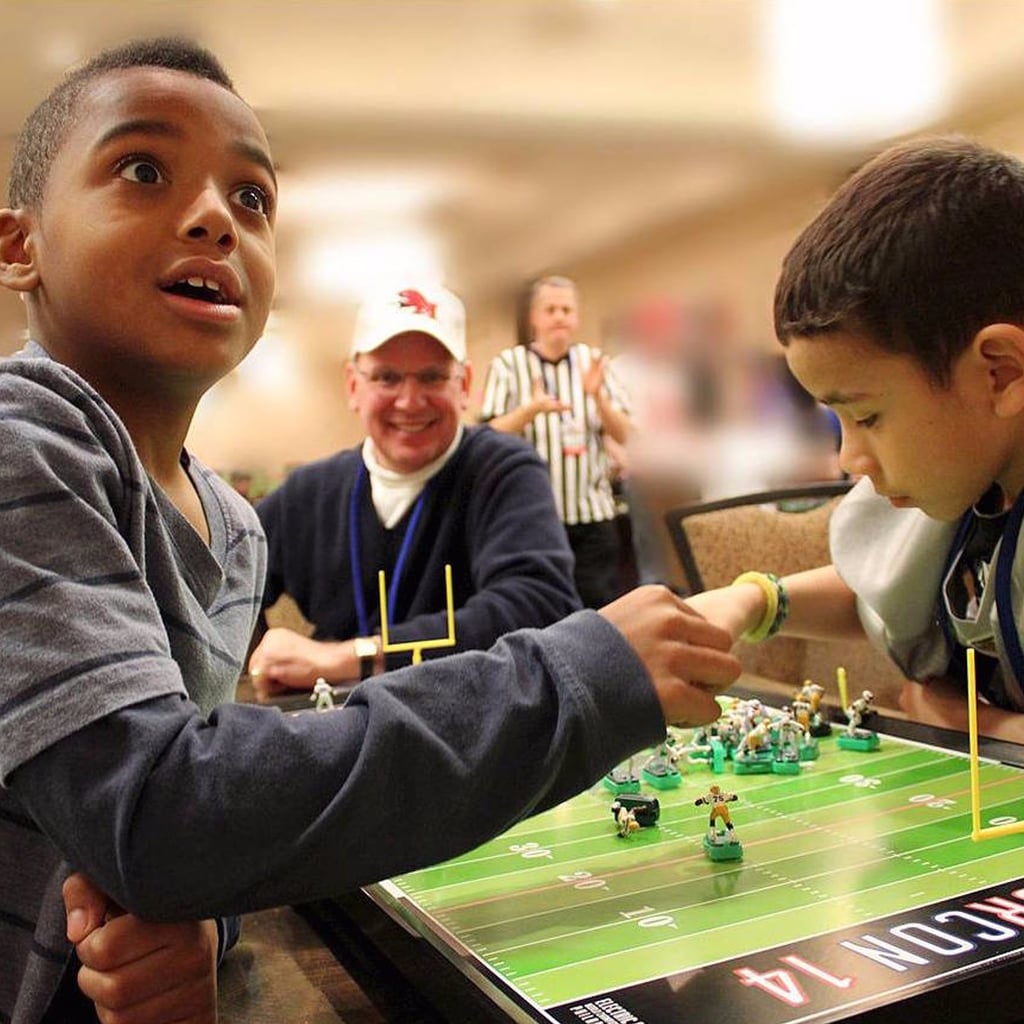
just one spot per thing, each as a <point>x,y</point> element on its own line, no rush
<point>821,606</point>
<point>192,817</point>
<point>138,971</point>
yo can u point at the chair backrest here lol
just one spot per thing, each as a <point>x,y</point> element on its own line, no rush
<point>781,531</point>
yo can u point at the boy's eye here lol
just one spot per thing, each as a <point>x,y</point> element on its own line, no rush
<point>867,421</point>
<point>141,170</point>
<point>252,197</point>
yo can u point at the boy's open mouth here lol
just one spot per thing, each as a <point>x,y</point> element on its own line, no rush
<point>200,288</point>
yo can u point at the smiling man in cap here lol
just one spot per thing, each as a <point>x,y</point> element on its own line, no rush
<point>420,492</point>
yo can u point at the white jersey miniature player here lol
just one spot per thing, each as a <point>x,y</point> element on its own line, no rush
<point>802,712</point>
<point>323,695</point>
<point>757,737</point>
<point>792,733</point>
<point>751,712</point>
<point>625,820</point>
<point>858,711</point>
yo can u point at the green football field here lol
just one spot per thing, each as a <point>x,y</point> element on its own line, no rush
<point>561,906</point>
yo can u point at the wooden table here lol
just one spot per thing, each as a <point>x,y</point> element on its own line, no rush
<point>282,973</point>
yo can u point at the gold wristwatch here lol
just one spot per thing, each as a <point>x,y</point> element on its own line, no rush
<point>367,649</point>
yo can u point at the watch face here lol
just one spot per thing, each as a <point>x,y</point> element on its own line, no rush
<point>366,647</point>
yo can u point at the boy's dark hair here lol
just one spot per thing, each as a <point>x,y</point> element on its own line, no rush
<point>919,250</point>
<point>43,132</point>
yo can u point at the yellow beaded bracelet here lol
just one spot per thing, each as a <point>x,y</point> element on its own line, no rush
<point>776,603</point>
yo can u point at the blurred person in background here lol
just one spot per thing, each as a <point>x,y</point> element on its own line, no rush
<point>657,462</point>
<point>421,491</point>
<point>561,396</point>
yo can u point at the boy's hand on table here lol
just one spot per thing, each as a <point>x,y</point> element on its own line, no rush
<point>138,972</point>
<point>686,656</point>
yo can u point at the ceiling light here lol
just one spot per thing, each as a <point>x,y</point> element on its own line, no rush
<point>852,72</point>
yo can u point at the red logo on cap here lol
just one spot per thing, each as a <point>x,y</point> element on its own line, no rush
<point>410,299</point>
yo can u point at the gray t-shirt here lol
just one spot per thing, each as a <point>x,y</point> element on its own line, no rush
<point>108,597</point>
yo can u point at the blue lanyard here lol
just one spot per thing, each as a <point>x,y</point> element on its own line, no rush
<point>354,551</point>
<point>1003,584</point>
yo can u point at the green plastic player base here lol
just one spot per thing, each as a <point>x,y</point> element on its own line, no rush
<point>722,849</point>
<point>809,751</point>
<point>621,782</point>
<point>752,765</point>
<point>785,767</point>
<point>717,757</point>
<point>662,777</point>
<point>862,741</point>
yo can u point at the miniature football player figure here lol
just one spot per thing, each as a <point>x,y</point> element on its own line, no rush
<point>793,744</point>
<point>716,801</point>
<point>323,695</point>
<point>720,841</point>
<point>811,693</point>
<point>802,712</point>
<point>853,736</point>
<point>623,779</point>
<point>661,770</point>
<point>626,821</point>
<point>633,811</point>
<point>757,737</point>
<point>754,753</point>
<point>751,712</point>
<point>858,711</point>
<point>706,746</point>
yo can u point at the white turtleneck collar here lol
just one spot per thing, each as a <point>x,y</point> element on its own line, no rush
<point>393,493</point>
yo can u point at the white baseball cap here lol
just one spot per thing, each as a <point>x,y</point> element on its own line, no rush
<point>426,309</point>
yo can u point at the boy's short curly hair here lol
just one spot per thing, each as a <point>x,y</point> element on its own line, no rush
<point>919,250</point>
<point>45,128</point>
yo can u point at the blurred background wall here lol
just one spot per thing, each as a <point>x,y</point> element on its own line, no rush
<point>662,152</point>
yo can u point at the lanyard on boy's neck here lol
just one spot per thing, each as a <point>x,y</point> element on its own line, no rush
<point>1003,583</point>
<point>354,551</point>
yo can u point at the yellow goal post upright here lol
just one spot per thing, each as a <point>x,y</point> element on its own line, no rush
<point>416,646</point>
<point>977,832</point>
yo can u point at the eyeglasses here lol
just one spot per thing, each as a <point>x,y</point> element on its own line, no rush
<point>391,381</point>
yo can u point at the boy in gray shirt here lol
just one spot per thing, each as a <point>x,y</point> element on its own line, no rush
<point>140,234</point>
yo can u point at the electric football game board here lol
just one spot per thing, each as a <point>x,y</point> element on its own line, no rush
<point>859,892</point>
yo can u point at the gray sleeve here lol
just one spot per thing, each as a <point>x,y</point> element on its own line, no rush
<point>82,634</point>
<point>176,816</point>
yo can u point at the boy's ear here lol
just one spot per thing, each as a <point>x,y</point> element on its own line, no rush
<point>1001,349</point>
<point>17,267</point>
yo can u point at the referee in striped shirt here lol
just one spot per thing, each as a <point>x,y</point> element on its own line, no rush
<point>562,397</point>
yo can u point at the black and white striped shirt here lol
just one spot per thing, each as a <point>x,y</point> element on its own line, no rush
<point>576,458</point>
